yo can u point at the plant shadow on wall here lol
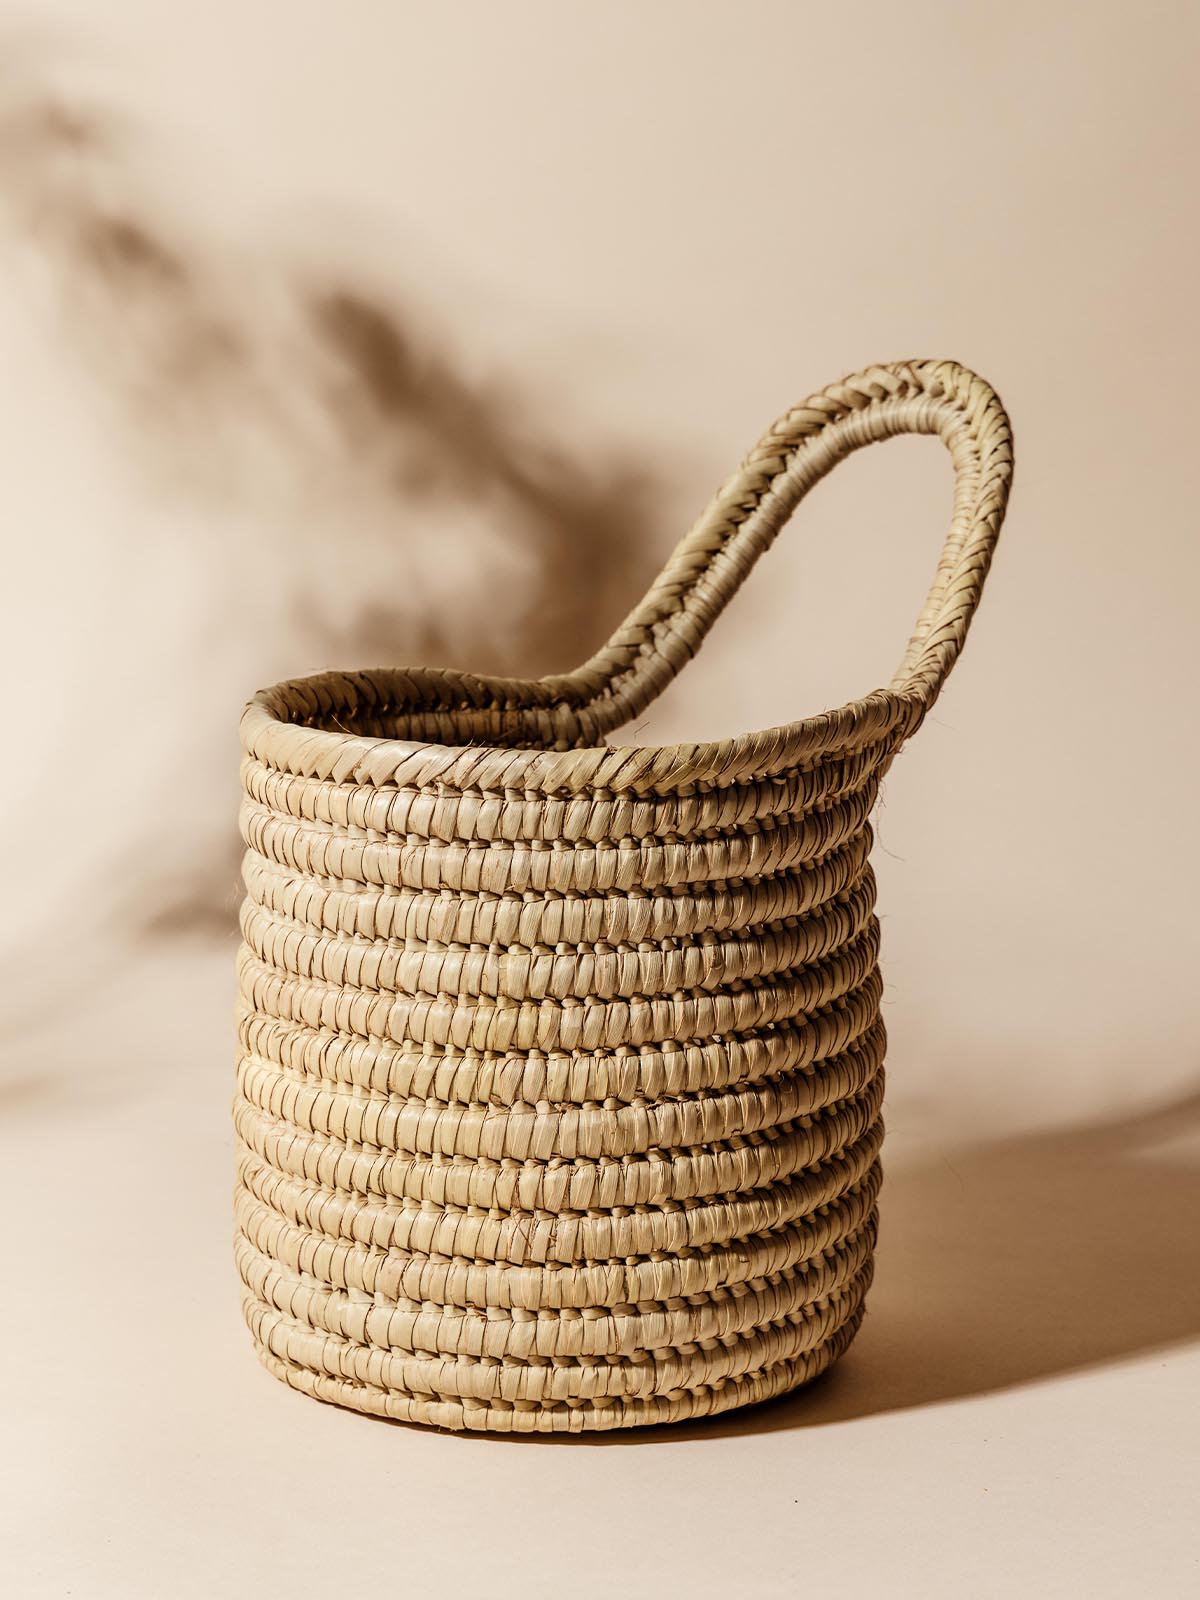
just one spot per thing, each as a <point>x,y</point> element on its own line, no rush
<point>365,499</point>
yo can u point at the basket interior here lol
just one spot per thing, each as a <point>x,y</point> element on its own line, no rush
<point>429,705</point>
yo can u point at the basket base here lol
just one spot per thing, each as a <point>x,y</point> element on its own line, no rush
<point>595,1417</point>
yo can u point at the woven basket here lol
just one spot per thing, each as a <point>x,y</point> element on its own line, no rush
<point>561,1062</point>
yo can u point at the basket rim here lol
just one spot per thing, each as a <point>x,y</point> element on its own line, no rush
<point>296,748</point>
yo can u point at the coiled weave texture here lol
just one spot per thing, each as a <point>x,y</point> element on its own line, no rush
<point>561,1062</point>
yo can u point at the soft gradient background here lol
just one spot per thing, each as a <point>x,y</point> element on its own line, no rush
<point>336,335</point>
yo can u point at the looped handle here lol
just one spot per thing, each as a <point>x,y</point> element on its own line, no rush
<point>712,561</point>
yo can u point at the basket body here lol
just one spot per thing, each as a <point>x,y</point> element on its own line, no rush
<point>561,1062</point>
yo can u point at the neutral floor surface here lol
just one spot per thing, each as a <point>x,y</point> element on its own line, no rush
<point>1018,1417</point>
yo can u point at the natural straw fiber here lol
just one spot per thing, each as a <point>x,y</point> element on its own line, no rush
<point>561,1062</point>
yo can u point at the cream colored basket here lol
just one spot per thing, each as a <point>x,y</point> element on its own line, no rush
<point>561,1062</point>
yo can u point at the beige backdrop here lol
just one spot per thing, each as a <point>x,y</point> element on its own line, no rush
<point>336,335</point>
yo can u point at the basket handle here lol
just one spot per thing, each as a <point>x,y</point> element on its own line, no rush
<point>712,561</point>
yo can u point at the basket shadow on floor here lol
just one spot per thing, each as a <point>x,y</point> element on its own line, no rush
<point>1017,1260</point>
<point>1008,1262</point>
